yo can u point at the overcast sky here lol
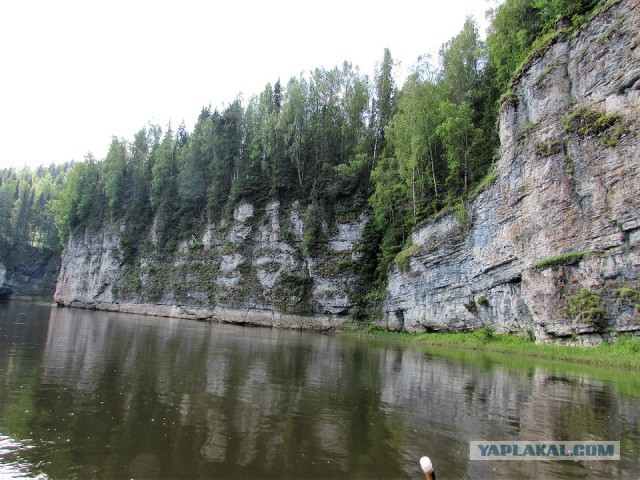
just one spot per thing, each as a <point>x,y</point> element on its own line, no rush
<point>75,73</point>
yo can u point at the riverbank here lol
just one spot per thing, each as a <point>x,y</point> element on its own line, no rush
<point>248,316</point>
<point>623,353</point>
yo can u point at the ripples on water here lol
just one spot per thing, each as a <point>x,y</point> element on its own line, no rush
<point>12,463</point>
<point>97,395</point>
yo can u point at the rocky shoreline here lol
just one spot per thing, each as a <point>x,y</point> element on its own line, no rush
<point>264,318</point>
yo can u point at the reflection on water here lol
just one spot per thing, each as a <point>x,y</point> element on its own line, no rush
<point>12,463</point>
<point>99,395</point>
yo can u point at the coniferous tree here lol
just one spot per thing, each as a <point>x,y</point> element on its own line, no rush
<point>226,159</point>
<point>195,154</point>
<point>163,188</point>
<point>384,101</point>
<point>114,175</point>
<point>8,189</point>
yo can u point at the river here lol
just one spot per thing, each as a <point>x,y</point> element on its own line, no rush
<point>87,394</point>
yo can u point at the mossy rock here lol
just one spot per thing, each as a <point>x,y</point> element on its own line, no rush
<point>586,307</point>
<point>588,122</point>
<point>403,257</point>
<point>549,148</point>
<point>568,258</point>
<point>292,293</point>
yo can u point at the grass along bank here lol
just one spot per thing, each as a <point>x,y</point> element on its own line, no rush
<point>623,353</point>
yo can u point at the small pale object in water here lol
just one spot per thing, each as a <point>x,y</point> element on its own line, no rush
<point>427,468</point>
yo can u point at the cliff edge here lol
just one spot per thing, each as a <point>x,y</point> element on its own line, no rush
<point>551,246</point>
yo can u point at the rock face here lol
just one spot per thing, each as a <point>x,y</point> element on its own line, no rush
<point>26,271</point>
<point>4,291</point>
<point>567,182</point>
<point>252,268</point>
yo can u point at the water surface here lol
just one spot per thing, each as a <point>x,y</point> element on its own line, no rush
<point>100,395</point>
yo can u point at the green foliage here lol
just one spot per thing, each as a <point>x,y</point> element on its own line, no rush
<point>370,274</point>
<point>372,328</point>
<point>114,174</point>
<point>508,98</point>
<point>461,213</point>
<point>618,131</point>
<point>626,296</point>
<point>540,79</point>
<point>131,283</point>
<point>296,284</point>
<point>354,172</point>
<point>471,306</point>
<point>568,258</point>
<point>520,27</point>
<point>245,269</point>
<point>416,144</point>
<point>456,133</point>
<point>627,344</point>
<point>384,101</point>
<point>525,130</point>
<point>27,206</point>
<point>527,334</point>
<point>487,180</point>
<point>292,293</point>
<point>403,257</point>
<point>623,352</point>
<point>551,11</point>
<point>515,24</point>
<point>486,334</point>
<point>552,147</point>
<point>81,202</point>
<point>313,236</point>
<point>586,122</point>
<point>571,167</point>
<point>226,158</point>
<point>585,306</point>
<point>441,141</point>
<point>390,195</point>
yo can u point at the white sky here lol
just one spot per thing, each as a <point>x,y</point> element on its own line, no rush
<point>73,73</point>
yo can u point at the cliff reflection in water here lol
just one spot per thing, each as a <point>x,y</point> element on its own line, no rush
<point>137,396</point>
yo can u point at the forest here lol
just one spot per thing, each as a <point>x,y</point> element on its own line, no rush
<point>337,141</point>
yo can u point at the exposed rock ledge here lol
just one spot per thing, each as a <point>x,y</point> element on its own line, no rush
<point>262,318</point>
<point>559,189</point>
<point>250,269</point>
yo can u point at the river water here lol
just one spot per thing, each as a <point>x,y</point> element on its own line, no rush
<point>88,394</point>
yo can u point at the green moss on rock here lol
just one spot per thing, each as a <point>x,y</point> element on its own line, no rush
<point>568,258</point>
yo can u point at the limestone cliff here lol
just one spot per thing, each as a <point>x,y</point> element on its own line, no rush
<point>4,291</point>
<point>27,272</point>
<point>551,246</point>
<point>252,268</point>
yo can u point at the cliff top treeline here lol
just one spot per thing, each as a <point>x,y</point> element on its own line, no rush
<point>336,140</point>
